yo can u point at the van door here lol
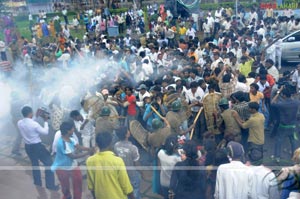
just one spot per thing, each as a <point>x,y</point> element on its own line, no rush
<point>291,48</point>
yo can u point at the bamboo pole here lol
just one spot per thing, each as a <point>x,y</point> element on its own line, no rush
<point>155,111</point>
<point>195,120</point>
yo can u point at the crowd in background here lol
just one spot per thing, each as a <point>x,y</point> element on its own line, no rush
<point>224,64</point>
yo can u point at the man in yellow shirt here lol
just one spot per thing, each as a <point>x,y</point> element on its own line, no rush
<point>255,124</point>
<point>106,173</point>
<point>182,31</point>
<point>245,67</point>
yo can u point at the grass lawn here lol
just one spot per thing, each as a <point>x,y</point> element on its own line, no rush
<point>22,24</point>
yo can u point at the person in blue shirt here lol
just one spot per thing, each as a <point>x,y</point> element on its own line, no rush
<point>149,114</point>
<point>65,165</point>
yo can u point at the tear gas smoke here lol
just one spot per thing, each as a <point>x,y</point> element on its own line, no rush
<point>41,86</point>
<point>5,98</point>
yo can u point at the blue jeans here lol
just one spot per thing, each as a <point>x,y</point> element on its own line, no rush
<point>283,132</point>
<point>136,183</point>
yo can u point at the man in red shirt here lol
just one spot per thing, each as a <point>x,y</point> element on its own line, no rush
<point>130,103</point>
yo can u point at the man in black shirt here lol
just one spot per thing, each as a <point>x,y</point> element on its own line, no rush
<point>288,108</point>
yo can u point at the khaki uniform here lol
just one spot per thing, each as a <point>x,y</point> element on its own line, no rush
<point>210,105</point>
<point>106,124</point>
<point>231,125</point>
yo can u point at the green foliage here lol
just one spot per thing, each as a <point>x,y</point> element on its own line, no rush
<point>118,11</point>
<point>213,6</point>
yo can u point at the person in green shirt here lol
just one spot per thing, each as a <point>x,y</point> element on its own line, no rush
<point>245,67</point>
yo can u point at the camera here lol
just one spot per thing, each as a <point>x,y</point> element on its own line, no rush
<point>288,85</point>
<point>43,113</point>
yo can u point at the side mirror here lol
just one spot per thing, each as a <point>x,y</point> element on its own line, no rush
<point>291,39</point>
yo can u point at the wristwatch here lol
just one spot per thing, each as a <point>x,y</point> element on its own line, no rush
<point>278,92</point>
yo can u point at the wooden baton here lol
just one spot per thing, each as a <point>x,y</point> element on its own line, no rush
<point>195,120</point>
<point>155,111</point>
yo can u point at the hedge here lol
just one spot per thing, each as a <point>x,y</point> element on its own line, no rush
<point>118,11</point>
<point>214,6</point>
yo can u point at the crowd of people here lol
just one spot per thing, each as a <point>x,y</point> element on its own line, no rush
<point>199,108</point>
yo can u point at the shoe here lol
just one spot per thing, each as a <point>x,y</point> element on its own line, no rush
<point>277,160</point>
<point>54,188</point>
<point>272,157</point>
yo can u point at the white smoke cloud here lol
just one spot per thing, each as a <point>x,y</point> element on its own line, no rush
<point>40,86</point>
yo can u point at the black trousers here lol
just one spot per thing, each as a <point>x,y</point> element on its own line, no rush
<point>38,152</point>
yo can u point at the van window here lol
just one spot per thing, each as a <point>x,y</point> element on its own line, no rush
<point>296,35</point>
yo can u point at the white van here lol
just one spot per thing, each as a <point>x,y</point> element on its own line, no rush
<point>291,47</point>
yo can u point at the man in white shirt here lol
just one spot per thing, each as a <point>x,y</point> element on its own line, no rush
<point>127,40</point>
<point>218,16</point>
<point>262,83</point>
<point>296,77</point>
<point>265,183</point>
<point>64,13</point>
<point>64,58</point>
<point>272,70</point>
<point>55,140</point>
<point>194,96</point>
<point>234,179</point>
<point>241,84</point>
<point>142,94</point>
<point>210,21</point>
<point>36,151</point>
<point>84,127</point>
<point>190,32</point>
<point>217,59</point>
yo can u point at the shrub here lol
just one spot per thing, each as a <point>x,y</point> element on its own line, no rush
<point>213,6</point>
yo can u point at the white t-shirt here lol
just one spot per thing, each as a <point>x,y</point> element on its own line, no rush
<point>167,163</point>
<point>196,97</point>
<point>57,136</point>
<point>262,87</point>
<point>234,180</point>
<point>190,32</point>
<point>264,183</point>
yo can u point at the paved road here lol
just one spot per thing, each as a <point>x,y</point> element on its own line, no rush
<point>16,180</point>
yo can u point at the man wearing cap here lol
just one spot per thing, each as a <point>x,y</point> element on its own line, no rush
<point>108,99</point>
<point>142,94</point>
<point>177,119</point>
<point>105,123</point>
<point>230,124</point>
<point>234,174</point>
